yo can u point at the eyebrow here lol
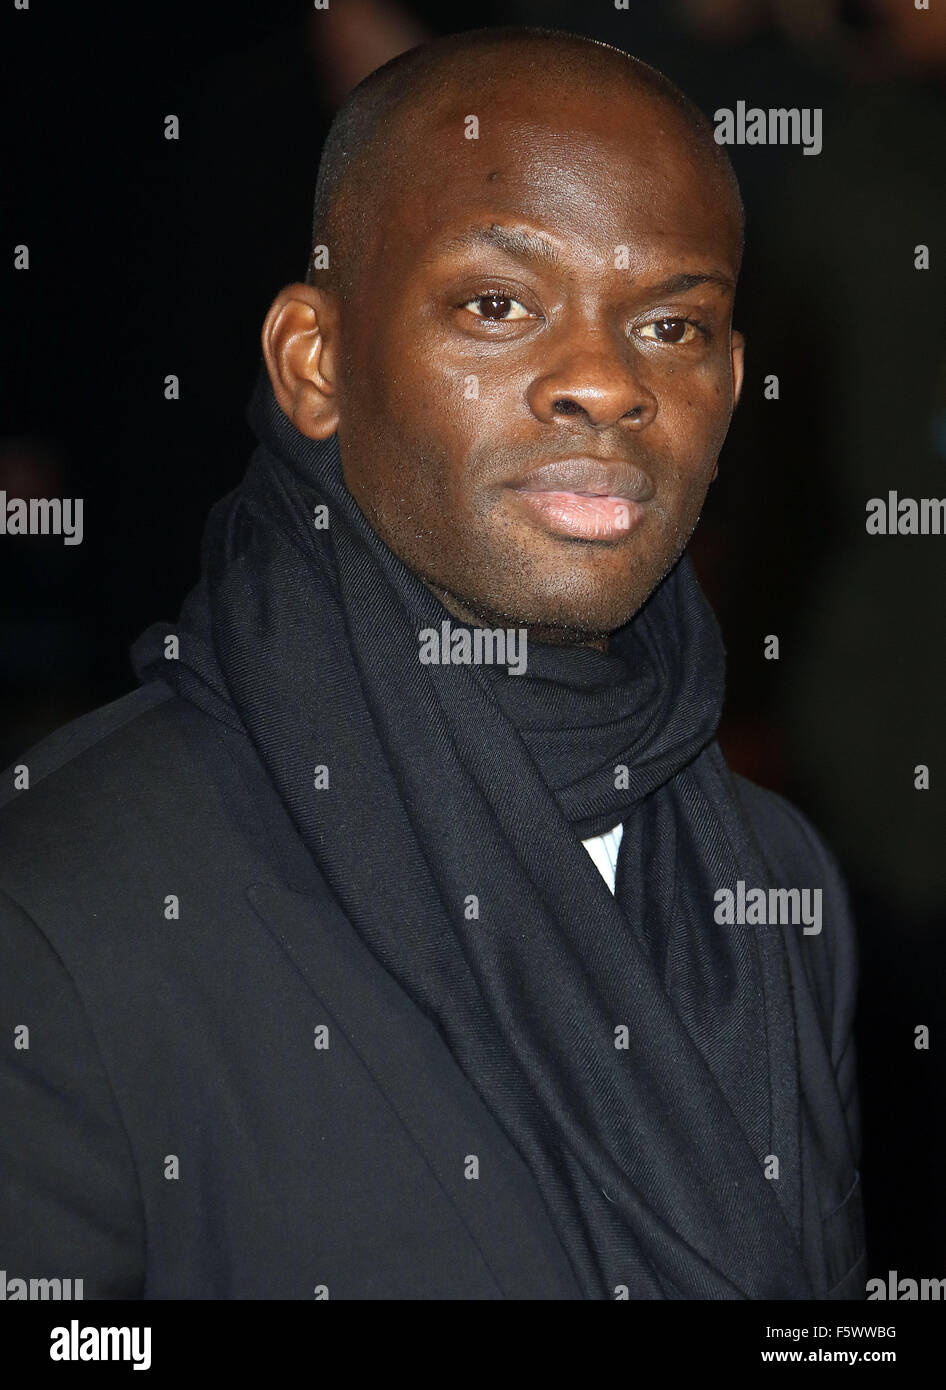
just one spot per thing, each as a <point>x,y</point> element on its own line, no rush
<point>532,246</point>
<point>515,241</point>
<point>687,280</point>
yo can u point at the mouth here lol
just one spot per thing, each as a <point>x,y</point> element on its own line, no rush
<point>587,499</point>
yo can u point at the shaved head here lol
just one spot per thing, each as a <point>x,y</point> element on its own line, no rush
<point>368,150</point>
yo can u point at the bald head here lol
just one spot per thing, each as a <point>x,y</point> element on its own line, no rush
<point>383,136</point>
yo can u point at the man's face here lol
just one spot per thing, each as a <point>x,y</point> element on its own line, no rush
<point>536,372</point>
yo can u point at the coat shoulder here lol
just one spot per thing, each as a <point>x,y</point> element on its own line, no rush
<point>106,780</point>
<point>83,736</point>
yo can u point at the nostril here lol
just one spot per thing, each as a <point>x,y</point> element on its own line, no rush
<point>634,412</point>
<point>565,407</point>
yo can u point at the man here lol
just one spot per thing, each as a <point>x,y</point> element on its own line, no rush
<point>324,997</point>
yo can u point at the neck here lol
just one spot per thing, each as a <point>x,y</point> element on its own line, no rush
<point>554,635</point>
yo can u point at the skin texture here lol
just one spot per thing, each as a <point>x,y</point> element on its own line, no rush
<point>582,357</point>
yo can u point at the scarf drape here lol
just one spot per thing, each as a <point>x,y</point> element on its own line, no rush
<point>641,1057</point>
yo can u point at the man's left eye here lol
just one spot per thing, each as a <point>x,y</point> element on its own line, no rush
<point>669,331</point>
<point>498,307</point>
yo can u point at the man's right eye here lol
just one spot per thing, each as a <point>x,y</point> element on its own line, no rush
<point>498,307</point>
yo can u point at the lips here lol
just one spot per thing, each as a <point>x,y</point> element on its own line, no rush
<point>585,498</point>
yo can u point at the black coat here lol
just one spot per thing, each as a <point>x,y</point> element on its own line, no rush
<point>302,1170</point>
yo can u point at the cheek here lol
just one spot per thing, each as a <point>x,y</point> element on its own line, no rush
<point>415,419</point>
<point>694,413</point>
<point>436,397</point>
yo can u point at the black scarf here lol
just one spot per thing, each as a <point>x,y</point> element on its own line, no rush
<point>450,833</point>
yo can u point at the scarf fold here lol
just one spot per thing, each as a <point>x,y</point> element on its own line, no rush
<point>639,1056</point>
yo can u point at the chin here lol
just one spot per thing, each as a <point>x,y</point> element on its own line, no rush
<point>591,615</point>
<point>596,592</point>
<point>577,600</point>
<point>592,605</point>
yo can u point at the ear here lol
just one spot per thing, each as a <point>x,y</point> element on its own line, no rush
<point>738,356</point>
<point>738,348</point>
<point>299,346</point>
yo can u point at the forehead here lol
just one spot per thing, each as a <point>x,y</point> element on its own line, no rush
<point>592,170</point>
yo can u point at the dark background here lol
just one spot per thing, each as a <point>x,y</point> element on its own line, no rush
<point>150,257</point>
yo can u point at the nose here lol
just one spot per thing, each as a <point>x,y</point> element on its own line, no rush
<point>597,381</point>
